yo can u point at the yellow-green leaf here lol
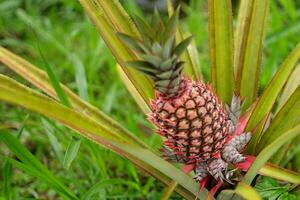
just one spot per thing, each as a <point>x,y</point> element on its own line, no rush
<point>268,151</point>
<point>104,15</point>
<point>40,79</point>
<point>14,93</point>
<point>140,101</point>
<point>118,17</point>
<point>279,173</point>
<point>247,192</point>
<point>285,119</point>
<point>248,47</point>
<point>221,48</point>
<point>272,91</point>
<point>291,85</point>
<point>190,55</point>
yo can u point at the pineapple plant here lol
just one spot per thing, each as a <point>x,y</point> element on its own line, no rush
<point>200,129</point>
<point>197,129</point>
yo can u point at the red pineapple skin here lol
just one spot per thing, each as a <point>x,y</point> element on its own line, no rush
<point>194,124</point>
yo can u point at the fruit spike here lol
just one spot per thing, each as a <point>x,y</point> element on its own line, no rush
<point>198,132</point>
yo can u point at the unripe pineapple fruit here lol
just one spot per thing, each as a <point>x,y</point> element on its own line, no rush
<point>188,115</point>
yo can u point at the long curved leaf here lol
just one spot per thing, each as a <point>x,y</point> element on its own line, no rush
<point>291,85</point>
<point>12,92</point>
<point>102,14</point>
<point>118,17</point>
<point>190,55</point>
<point>40,79</point>
<point>221,48</point>
<point>144,107</point>
<point>279,173</point>
<point>285,119</point>
<point>271,93</point>
<point>247,192</point>
<point>268,151</point>
<point>248,47</point>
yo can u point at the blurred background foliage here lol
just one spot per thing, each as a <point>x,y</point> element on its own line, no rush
<point>81,60</point>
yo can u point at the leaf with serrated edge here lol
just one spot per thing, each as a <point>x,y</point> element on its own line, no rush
<point>272,91</point>
<point>285,119</point>
<point>268,151</point>
<point>17,94</point>
<point>39,78</point>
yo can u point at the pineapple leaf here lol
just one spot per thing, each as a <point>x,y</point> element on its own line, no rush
<point>168,46</point>
<point>156,19</point>
<point>165,75</point>
<point>108,22</point>
<point>154,60</point>
<point>221,48</point>
<point>115,14</point>
<point>190,55</point>
<point>285,119</point>
<point>171,26</point>
<point>17,94</point>
<point>244,190</point>
<point>167,63</point>
<point>144,28</point>
<point>181,47</point>
<point>40,79</point>
<point>290,87</point>
<point>140,101</point>
<point>270,150</point>
<point>131,42</point>
<point>142,66</point>
<point>272,91</point>
<point>279,173</point>
<point>156,48</point>
<point>249,43</point>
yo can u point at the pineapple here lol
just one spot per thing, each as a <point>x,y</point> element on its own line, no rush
<point>196,129</point>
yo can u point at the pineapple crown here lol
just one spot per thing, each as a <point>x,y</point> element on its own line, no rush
<point>161,56</point>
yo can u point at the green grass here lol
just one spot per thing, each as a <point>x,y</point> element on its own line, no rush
<point>80,59</point>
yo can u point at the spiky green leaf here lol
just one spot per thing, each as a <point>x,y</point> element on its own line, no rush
<point>181,47</point>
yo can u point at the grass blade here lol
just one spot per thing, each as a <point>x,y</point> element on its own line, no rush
<point>15,93</point>
<point>249,41</point>
<point>33,164</point>
<point>221,48</point>
<point>271,93</point>
<point>80,76</point>
<point>7,178</point>
<point>49,129</point>
<point>74,144</point>
<point>72,151</point>
<point>7,166</point>
<point>54,81</point>
<point>270,150</point>
<point>98,187</point>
